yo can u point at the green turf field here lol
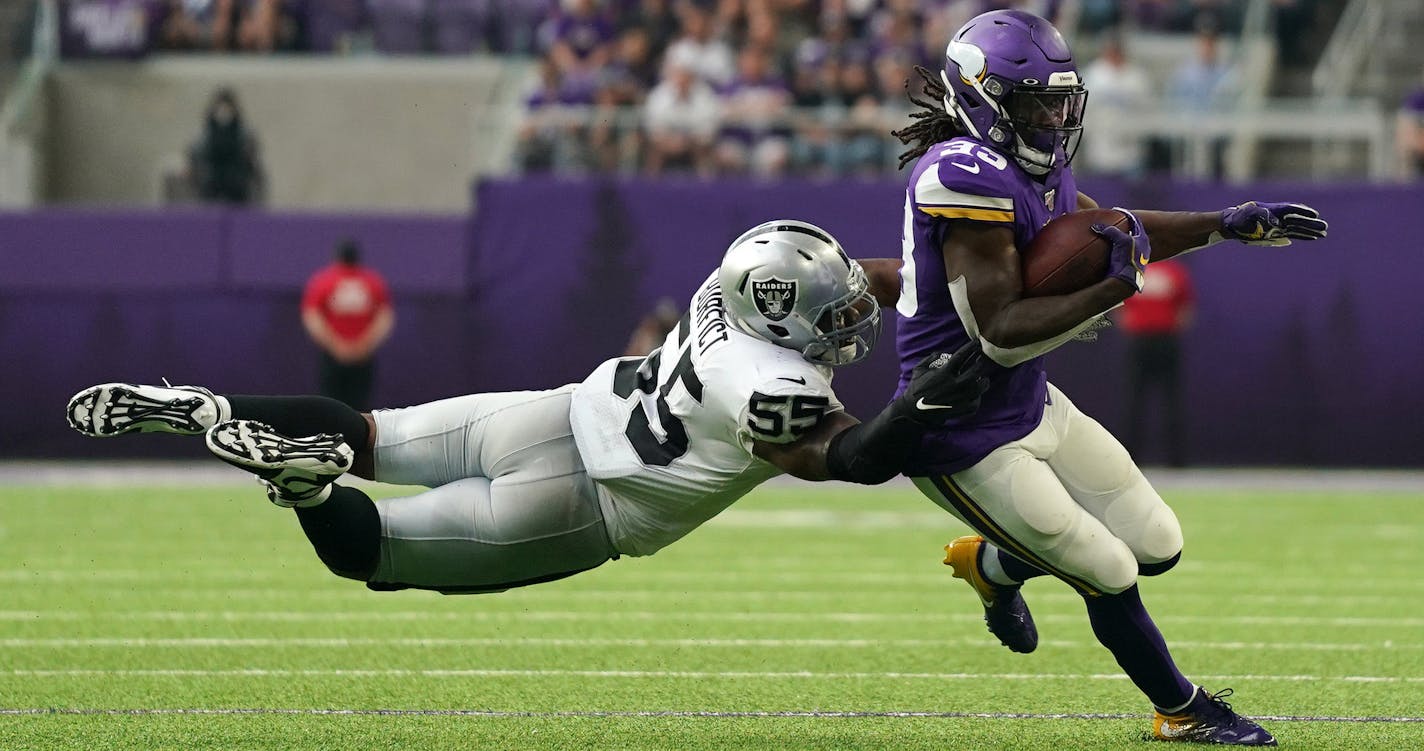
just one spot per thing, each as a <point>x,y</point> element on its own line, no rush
<point>805,618</point>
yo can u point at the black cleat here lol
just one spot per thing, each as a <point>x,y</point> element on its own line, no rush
<point>1209,719</point>
<point>1005,611</point>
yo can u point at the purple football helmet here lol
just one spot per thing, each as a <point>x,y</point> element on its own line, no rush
<point>1011,81</point>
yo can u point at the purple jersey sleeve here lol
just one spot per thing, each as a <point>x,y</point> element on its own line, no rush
<point>966,181</point>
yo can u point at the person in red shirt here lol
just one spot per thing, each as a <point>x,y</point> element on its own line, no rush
<point>346,310</point>
<point>1154,321</point>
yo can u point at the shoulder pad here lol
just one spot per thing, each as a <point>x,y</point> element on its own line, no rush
<point>966,180</point>
<point>784,409</point>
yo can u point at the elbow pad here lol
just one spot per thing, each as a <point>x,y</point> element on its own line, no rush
<point>872,452</point>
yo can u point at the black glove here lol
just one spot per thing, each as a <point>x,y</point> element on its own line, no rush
<point>945,386</point>
<point>942,386</point>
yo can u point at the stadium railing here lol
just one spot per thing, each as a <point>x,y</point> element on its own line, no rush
<point>22,116</point>
<point>1192,134</point>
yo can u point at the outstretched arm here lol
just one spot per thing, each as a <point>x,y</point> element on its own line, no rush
<point>1172,233</point>
<point>1255,223</point>
<point>841,447</point>
<point>1176,232</point>
<point>806,456</point>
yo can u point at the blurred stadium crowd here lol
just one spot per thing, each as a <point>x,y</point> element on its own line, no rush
<point>771,87</point>
<point>761,87</point>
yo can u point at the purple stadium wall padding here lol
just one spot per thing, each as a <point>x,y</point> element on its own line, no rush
<point>1308,355</point>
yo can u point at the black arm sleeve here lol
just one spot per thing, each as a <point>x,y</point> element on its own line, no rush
<point>872,452</point>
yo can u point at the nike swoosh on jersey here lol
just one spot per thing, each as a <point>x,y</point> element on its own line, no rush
<point>970,168</point>
<point>926,406</point>
<point>801,381</point>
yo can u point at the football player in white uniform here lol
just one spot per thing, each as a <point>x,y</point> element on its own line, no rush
<point>531,486</point>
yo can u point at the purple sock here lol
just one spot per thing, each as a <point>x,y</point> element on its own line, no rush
<point>1122,624</point>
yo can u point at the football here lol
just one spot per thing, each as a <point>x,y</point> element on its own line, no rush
<point>1066,255</point>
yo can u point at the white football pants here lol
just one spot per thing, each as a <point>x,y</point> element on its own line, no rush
<point>509,503</point>
<point>1066,498</point>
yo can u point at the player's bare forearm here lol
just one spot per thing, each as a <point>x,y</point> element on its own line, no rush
<point>1175,232</point>
<point>1171,232</point>
<point>884,276</point>
<point>1035,319</point>
<point>805,457</point>
<point>986,258</point>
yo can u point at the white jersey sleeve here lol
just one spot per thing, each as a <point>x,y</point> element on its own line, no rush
<point>783,410</point>
<point>669,437</point>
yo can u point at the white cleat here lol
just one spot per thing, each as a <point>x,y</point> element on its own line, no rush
<point>296,471</point>
<point>112,409</point>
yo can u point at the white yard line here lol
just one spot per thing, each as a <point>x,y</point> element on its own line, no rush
<point>642,615</point>
<point>600,643</point>
<point>595,714</point>
<point>190,473</point>
<point>651,674</point>
<point>760,586</point>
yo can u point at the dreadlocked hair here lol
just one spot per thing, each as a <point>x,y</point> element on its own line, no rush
<point>931,123</point>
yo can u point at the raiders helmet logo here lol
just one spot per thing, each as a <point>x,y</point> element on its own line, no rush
<point>774,298</point>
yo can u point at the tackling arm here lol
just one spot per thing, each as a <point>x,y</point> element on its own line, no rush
<point>806,456</point>
<point>840,447</point>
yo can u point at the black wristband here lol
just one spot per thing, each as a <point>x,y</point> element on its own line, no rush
<point>872,452</point>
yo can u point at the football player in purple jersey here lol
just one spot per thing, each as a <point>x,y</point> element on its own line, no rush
<point>1047,489</point>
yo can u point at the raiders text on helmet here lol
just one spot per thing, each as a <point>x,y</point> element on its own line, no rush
<point>790,283</point>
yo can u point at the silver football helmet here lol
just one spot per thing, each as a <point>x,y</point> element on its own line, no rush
<point>792,284</point>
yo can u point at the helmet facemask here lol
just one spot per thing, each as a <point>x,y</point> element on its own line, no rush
<point>847,327</point>
<point>1010,80</point>
<point>791,284</point>
<point>1047,123</point>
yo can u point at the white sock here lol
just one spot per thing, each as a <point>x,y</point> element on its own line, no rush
<point>315,500</point>
<point>224,409</point>
<point>989,564</point>
<point>275,495</point>
<point>1177,710</point>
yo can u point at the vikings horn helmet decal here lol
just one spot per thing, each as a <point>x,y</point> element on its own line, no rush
<point>1011,81</point>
